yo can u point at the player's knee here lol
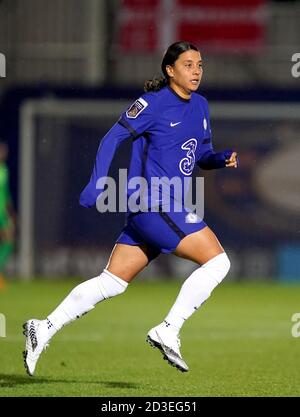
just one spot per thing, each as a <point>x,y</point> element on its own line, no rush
<point>226,264</point>
<point>111,285</point>
<point>219,266</point>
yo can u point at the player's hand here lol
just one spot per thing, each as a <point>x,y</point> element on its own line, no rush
<point>232,162</point>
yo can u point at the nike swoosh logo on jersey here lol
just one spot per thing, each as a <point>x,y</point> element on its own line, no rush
<point>174,124</point>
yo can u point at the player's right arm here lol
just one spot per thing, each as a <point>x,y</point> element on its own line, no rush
<point>133,123</point>
<point>107,148</point>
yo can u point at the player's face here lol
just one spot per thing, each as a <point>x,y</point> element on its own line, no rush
<point>186,73</point>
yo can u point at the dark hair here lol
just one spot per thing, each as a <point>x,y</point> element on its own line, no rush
<point>169,58</point>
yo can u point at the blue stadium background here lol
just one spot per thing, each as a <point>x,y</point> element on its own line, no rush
<point>59,70</point>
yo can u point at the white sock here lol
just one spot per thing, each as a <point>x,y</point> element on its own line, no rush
<point>83,298</point>
<point>196,289</point>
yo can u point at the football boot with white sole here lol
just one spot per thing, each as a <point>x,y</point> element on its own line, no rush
<point>168,342</point>
<point>36,340</point>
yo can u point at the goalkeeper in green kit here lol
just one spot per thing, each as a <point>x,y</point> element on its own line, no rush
<point>7,217</point>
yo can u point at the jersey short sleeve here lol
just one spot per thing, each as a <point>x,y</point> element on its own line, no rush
<point>140,115</point>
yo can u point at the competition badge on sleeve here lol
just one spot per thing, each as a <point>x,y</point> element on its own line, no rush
<point>137,107</point>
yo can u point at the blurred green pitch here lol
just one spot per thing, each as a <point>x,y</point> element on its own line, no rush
<point>238,344</point>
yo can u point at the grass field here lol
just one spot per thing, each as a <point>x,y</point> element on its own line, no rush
<point>238,344</point>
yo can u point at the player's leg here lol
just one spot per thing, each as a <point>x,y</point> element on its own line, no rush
<point>200,246</point>
<point>127,261</point>
<point>6,245</point>
<point>124,264</point>
<point>203,248</point>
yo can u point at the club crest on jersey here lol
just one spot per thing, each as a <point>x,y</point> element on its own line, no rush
<point>192,218</point>
<point>137,107</point>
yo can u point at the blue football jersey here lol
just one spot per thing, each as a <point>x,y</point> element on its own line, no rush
<point>170,135</point>
<point>177,131</point>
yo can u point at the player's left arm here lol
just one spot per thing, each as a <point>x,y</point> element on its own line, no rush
<point>233,161</point>
<point>209,159</point>
<point>216,160</point>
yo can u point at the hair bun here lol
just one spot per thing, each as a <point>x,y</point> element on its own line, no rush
<point>155,84</point>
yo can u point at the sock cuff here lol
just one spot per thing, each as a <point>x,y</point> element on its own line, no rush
<point>217,268</point>
<point>221,258</point>
<point>119,280</point>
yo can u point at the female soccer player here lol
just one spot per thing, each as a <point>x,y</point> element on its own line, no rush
<point>170,129</point>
